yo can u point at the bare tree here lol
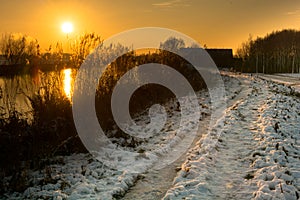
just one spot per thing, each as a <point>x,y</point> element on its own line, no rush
<point>172,44</point>
<point>195,45</point>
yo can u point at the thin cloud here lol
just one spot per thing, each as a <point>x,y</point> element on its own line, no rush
<point>171,4</point>
<point>295,12</point>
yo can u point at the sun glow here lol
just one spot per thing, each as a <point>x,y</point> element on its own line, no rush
<point>67,27</point>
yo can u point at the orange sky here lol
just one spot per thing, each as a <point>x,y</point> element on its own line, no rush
<point>216,23</point>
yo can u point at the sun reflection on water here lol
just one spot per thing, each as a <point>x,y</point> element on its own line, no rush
<point>68,83</point>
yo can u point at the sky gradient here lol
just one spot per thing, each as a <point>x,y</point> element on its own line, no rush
<point>216,23</point>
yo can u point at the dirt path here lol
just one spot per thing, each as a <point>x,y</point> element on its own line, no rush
<point>155,183</point>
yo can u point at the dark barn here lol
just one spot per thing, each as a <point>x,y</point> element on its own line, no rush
<point>222,57</point>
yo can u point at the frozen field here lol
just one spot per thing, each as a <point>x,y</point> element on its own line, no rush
<point>256,156</point>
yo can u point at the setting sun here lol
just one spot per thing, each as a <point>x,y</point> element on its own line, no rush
<point>67,27</point>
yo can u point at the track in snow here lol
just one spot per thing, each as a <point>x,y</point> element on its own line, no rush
<point>155,183</point>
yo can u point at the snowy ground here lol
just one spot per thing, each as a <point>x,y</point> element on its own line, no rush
<point>257,155</point>
<point>295,75</point>
<point>291,80</point>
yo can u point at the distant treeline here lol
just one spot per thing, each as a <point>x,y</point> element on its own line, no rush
<point>22,50</point>
<point>278,52</point>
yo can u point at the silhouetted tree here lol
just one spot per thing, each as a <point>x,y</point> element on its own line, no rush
<point>195,45</point>
<point>172,44</point>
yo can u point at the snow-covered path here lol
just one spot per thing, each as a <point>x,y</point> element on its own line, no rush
<point>221,173</point>
<point>251,160</point>
<point>229,166</point>
<point>155,183</point>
